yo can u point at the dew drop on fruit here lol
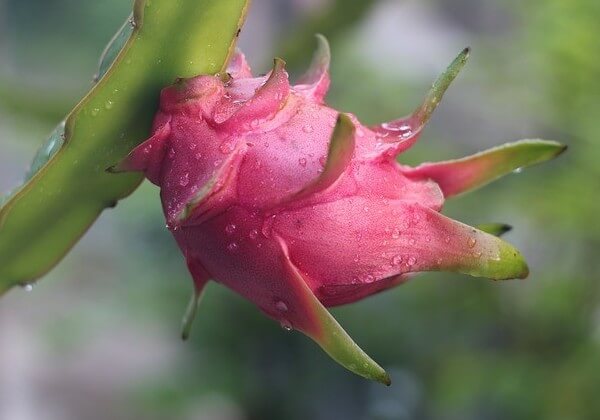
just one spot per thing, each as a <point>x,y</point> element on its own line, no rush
<point>281,306</point>
<point>285,324</point>
<point>184,180</point>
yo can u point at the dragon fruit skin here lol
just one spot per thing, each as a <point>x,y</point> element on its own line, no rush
<point>298,207</point>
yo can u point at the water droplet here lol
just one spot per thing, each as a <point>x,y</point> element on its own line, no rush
<point>268,226</point>
<point>518,171</point>
<point>397,260</point>
<point>253,234</point>
<point>28,287</point>
<point>308,128</point>
<point>230,229</point>
<point>281,306</point>
<point>95,111</point>
<point>226,148</point>
<point>108,104</point>
<point>472,242</point>
<point>232,247</point>
<point>402,130</point>
<point>286,325</point>
<point>184,180</point>
<point>302,162</point>
<point>411,261</point>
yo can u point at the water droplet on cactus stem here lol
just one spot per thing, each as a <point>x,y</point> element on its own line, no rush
<point>230,229</point>
<point>28,287</point>
<point>232,247</point>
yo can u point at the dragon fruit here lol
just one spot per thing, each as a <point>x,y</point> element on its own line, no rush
<point>298,207</point>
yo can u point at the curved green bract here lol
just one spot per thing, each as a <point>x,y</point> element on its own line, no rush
<point>67,187</point>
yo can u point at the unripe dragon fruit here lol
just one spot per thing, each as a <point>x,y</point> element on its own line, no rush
<point>298,207</point>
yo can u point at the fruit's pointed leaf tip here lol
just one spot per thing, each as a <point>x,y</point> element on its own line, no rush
<point>511,264</point>
<point>341,148</point>
<point>496,229</point>
<point>445,244</point>
<point>238,66</point>
<point>407,129</point>
<point>190,315</point>
<point>315,81</point>
<point>339,157</point>
<point>439,88</point>
<point>322,327</point>
<point>466,174</point>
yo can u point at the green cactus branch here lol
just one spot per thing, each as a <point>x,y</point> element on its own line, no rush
<point>67,187</point>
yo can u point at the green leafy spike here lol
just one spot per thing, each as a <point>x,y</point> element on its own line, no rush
<point>462,175</point>
<point>339,156</point>
<point>437,91</point>
<point>496,229</point>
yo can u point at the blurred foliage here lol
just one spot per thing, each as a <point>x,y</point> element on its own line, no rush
<point>456,347</point>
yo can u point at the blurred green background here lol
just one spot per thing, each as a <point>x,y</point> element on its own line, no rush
<point>99,337</point>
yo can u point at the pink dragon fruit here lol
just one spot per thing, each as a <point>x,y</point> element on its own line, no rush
<point>299,207</point>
